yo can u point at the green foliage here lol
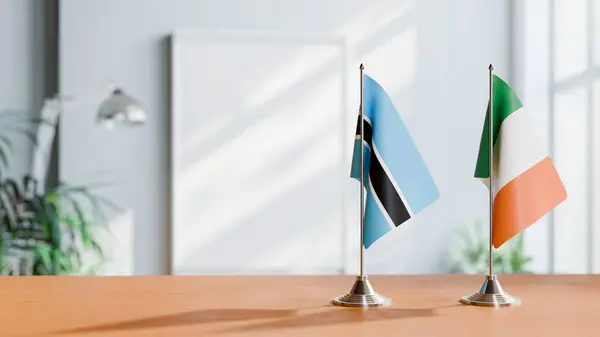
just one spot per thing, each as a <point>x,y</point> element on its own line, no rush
<point>54,225</point>
<point>59,229</point>
<point>473,253</point>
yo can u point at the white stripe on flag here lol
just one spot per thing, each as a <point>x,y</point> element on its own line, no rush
<point>517,149</point>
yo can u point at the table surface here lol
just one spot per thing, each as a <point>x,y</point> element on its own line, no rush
<point>289,306</point>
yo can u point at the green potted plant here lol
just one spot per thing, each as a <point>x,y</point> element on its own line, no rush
<point>53,232</point>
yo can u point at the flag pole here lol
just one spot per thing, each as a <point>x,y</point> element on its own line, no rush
<point>491,161</point>
<point>361,246</point>
<point>362,294</point>
<point>491,293</point>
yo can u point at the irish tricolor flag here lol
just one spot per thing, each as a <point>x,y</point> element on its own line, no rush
<point>525,183</point>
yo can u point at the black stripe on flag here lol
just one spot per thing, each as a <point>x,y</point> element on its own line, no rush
<point>382,184</point>
<point>368,131</point>
<point>389,197</point>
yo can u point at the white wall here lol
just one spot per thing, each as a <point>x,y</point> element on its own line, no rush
<point>22,67</point>
<point>431,56</point>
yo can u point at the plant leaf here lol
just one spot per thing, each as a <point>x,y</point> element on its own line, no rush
<point>43,253</point>
<point>7,207</point>
<point>6,150</point>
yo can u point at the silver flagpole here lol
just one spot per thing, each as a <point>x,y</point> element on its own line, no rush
<point>362,294</point>
<point>362,174</point>
<point>491,160</point>
<point>491,293</point>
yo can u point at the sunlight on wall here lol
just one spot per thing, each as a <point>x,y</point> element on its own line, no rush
<point>394,63</point>
<point>380,15</point>
<point>289,72</point>
<point>252,160</point>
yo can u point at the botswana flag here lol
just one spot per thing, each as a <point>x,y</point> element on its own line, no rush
<point>397,181</point>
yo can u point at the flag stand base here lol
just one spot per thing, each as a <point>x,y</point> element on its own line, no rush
<point>491,294</point>
<point>361,295</point>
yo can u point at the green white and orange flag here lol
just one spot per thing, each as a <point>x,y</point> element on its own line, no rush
<point>525,183</point>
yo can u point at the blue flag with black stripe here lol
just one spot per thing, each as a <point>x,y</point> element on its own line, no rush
<point>397,182</point>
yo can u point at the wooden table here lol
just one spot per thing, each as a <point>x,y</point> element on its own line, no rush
<point>292,306</point>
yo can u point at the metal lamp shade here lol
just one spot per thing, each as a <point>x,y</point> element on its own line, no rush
<point>120,108</point>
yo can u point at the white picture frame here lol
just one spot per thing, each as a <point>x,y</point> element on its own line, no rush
<point>318,237</point>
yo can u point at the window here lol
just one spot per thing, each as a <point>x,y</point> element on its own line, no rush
<point>556,67</point>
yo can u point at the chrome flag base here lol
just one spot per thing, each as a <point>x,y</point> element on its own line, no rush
<point>361,295</point>
<point>491,294</point>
